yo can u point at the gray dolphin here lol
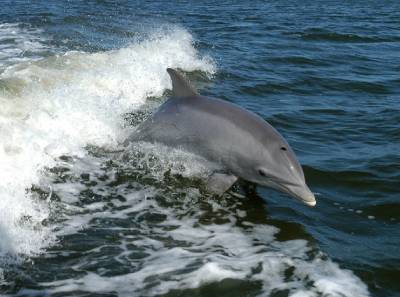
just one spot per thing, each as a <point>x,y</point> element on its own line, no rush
<point>241,142</point>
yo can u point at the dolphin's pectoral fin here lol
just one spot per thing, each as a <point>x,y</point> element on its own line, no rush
<point>219,183</point>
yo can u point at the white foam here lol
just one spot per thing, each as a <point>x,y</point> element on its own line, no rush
<point>233,257</point>
<point>58,105</point>
<point>181,252</point>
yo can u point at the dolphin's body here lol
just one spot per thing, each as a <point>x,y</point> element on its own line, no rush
<point>241,142</point>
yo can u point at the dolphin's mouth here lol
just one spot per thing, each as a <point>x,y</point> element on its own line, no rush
<point>302,193</point>
<point>311,203</point>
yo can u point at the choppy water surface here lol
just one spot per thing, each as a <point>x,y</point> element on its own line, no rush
<point>83,216</point>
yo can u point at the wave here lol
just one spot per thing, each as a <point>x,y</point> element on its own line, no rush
<point>59,105</point>
<point>317,34</point>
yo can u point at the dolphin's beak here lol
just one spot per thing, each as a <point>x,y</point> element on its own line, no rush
<point>302,193</point>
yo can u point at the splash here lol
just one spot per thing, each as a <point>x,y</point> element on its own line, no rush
<point>164,242</point>
<point>58,105</point>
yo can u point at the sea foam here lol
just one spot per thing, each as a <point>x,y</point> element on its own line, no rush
<point>58,105</point>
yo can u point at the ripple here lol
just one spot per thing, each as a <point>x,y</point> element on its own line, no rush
<point>298,60</point>
<point>317,34</point>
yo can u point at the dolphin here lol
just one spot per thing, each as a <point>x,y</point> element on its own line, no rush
<point>242,143</point>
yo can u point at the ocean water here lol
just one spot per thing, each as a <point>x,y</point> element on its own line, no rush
<point>82,215</point>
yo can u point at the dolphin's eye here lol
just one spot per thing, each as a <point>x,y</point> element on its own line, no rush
<point>262,173</point>
<point>283,148</point>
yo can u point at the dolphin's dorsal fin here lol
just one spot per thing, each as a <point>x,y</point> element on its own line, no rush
<point>180,86</point>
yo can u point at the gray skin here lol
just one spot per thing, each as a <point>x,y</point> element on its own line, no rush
<point>242,143</point>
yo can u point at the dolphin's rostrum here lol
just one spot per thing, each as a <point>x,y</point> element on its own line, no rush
<point>245,145</point>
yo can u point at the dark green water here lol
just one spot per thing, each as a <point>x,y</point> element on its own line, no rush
<point>80,217</point>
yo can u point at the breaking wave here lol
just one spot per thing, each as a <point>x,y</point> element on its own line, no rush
<point>58,105</point>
